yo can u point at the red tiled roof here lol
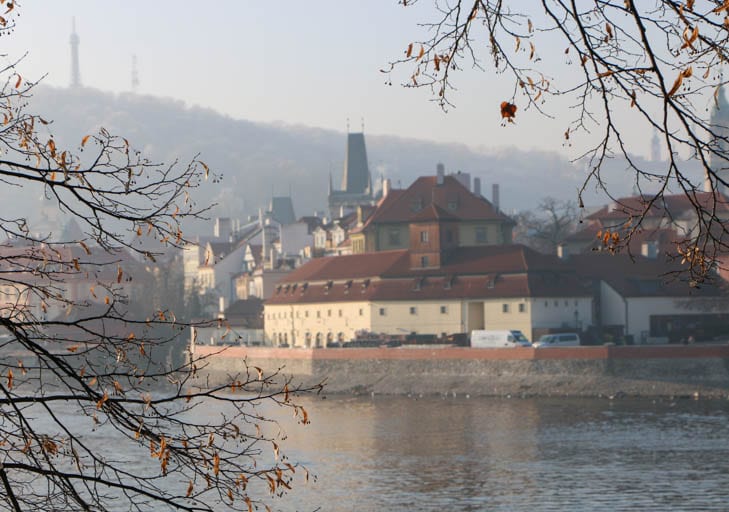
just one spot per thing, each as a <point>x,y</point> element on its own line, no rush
<point>352,266</point>
<point>398,205</point>
<point>665,238</point>
<point>476,272</point>
<point>674,205</point>
<point>433,212</point>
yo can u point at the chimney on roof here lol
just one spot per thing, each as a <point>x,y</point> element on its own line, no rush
<point>386,185</point>
<point>495,196</point>
<point>439,173</point>
<point>477,186</point>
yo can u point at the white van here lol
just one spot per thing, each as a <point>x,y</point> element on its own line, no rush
<point>563,339</point>
<point>491,339</point>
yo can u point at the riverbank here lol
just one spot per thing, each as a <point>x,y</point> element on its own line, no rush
<point>649,371</point>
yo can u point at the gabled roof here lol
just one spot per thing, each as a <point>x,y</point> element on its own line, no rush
<point>400,206</point>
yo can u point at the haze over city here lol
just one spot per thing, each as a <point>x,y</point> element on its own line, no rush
<point>316,64</point>
<point>244,265</point>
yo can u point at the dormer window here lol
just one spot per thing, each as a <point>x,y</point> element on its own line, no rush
<point>448,282</point>
<point>416,204</point>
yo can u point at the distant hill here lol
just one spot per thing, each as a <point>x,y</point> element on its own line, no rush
<point>258,160</point>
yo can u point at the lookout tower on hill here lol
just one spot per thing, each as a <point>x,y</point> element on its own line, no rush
<point>356,181</point>
<point>75,70</point>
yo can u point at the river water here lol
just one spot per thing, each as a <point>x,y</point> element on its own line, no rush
<point>492,454</point>
<point>402,454</point>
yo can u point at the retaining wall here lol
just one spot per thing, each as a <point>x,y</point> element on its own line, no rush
<point>577,371</point>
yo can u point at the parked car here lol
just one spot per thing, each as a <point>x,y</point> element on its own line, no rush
<point>563,339</point>
<point>493,339</point>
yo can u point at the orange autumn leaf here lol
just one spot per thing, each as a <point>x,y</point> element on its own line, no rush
<point>103,399</point>
<point>508,111</point>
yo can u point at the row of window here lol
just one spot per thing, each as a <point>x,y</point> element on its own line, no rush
<point>414,310</point>
<point>286,314</point>
<point>382,312</point>
<point>556,303</point>
<point>505,308</point>
<point>480,236</point>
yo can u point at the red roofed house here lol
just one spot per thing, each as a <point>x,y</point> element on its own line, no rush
<point>433,287</point>
<point>471,220</point>
<point>664,223</point>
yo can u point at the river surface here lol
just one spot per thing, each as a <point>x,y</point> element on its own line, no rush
<point>489,454</point>
<point>460,454</point>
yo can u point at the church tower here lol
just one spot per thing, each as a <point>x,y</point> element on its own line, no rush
<point>75,71</point>
<point>356,180</point>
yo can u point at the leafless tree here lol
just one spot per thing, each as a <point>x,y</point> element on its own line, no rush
<point>546,227</point>
<point>93,414</point>
<point>657,63</point>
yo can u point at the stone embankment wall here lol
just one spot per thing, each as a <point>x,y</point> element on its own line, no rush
<point>578,371</point>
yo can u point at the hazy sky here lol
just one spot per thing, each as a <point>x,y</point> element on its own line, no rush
<point>314,63</point>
